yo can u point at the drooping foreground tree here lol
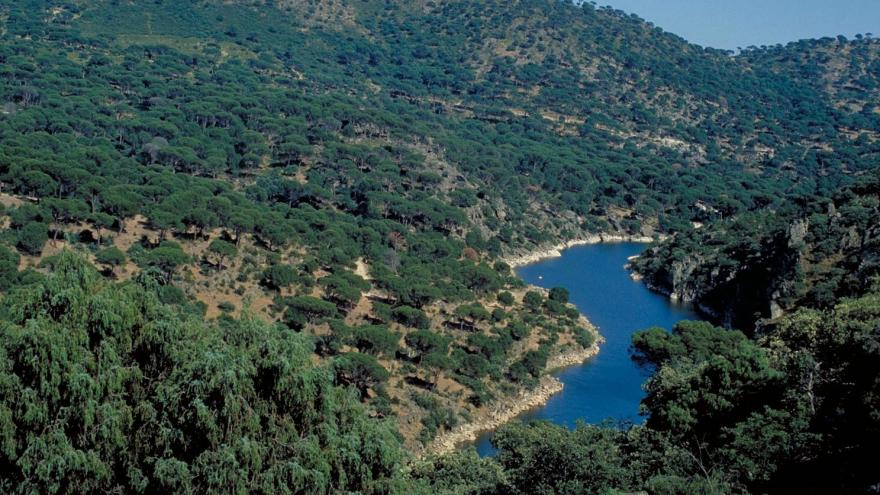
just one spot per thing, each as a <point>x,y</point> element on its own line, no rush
<point>103,389</point>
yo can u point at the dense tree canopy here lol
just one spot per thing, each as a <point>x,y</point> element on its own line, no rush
<point>106,389</point>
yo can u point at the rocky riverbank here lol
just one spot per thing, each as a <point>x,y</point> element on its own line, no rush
<point>506,410</point>
<point>573,357</point>
<point>555,251</point>
<point>509,408</point>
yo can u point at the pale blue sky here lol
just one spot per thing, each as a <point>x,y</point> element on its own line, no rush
<point>740,23</point>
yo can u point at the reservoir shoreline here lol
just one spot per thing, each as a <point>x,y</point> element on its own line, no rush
<point>555,251</point>
<point>508,409</point>
<point>609,384</point>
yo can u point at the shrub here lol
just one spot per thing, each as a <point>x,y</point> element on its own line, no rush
<point>533,300</point>
<point>505,298</point>
<point>559,294</point>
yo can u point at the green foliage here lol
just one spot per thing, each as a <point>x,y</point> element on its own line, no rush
<point>470,365</point>
<point>111,256</point>
<point>459,473</point>
<point>9,261</point>
<point>410,317</point>
<point>546,459</point>
<point>278,277</point>
<point>559,294</point>
<point>529,367</point>
<point>471,314</point>
<point>584,337</point>
<point>345,287</point>
<point>125,394</point>
<point>533,300</point>
<point>221,250</point>
<point>518,330</point>
<point>375,340</point>
<point>169,294</point>
<point>426,342</point>
<point>790,411</point>
<point>32,237</point>
<point>307,309</point>
<point>554,307</point>
<point>167,257</point>
<point>436,417</point>
<point>244,113</point>
<point>505,298</point>
<point>360,371</point>
<point>480,278</point>
<point>499,315</point>
<point>706,377</point>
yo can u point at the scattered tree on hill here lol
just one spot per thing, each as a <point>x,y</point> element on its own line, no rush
<point>111,257</point>
<point>471,314</point>
<point>278,277</point>
<point>221,250</point>
<point>302,310</point>
<point>506,298</point>
<point>425,342</point>
<point>167,257</point>
<point>360,371</point>
<point>559,294</point>
<point>533,300</point>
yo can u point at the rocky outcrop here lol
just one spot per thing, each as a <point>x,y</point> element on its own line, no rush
<point>573,357</point>
<point>728,279</point>
<point>760,265</point>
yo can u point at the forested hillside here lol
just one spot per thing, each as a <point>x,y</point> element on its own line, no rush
<point>606,122</point>
<point>258,246</point>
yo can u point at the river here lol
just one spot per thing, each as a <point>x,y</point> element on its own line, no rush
<point>609,385</point>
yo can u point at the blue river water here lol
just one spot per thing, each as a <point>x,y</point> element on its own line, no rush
<point>609,386</point>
